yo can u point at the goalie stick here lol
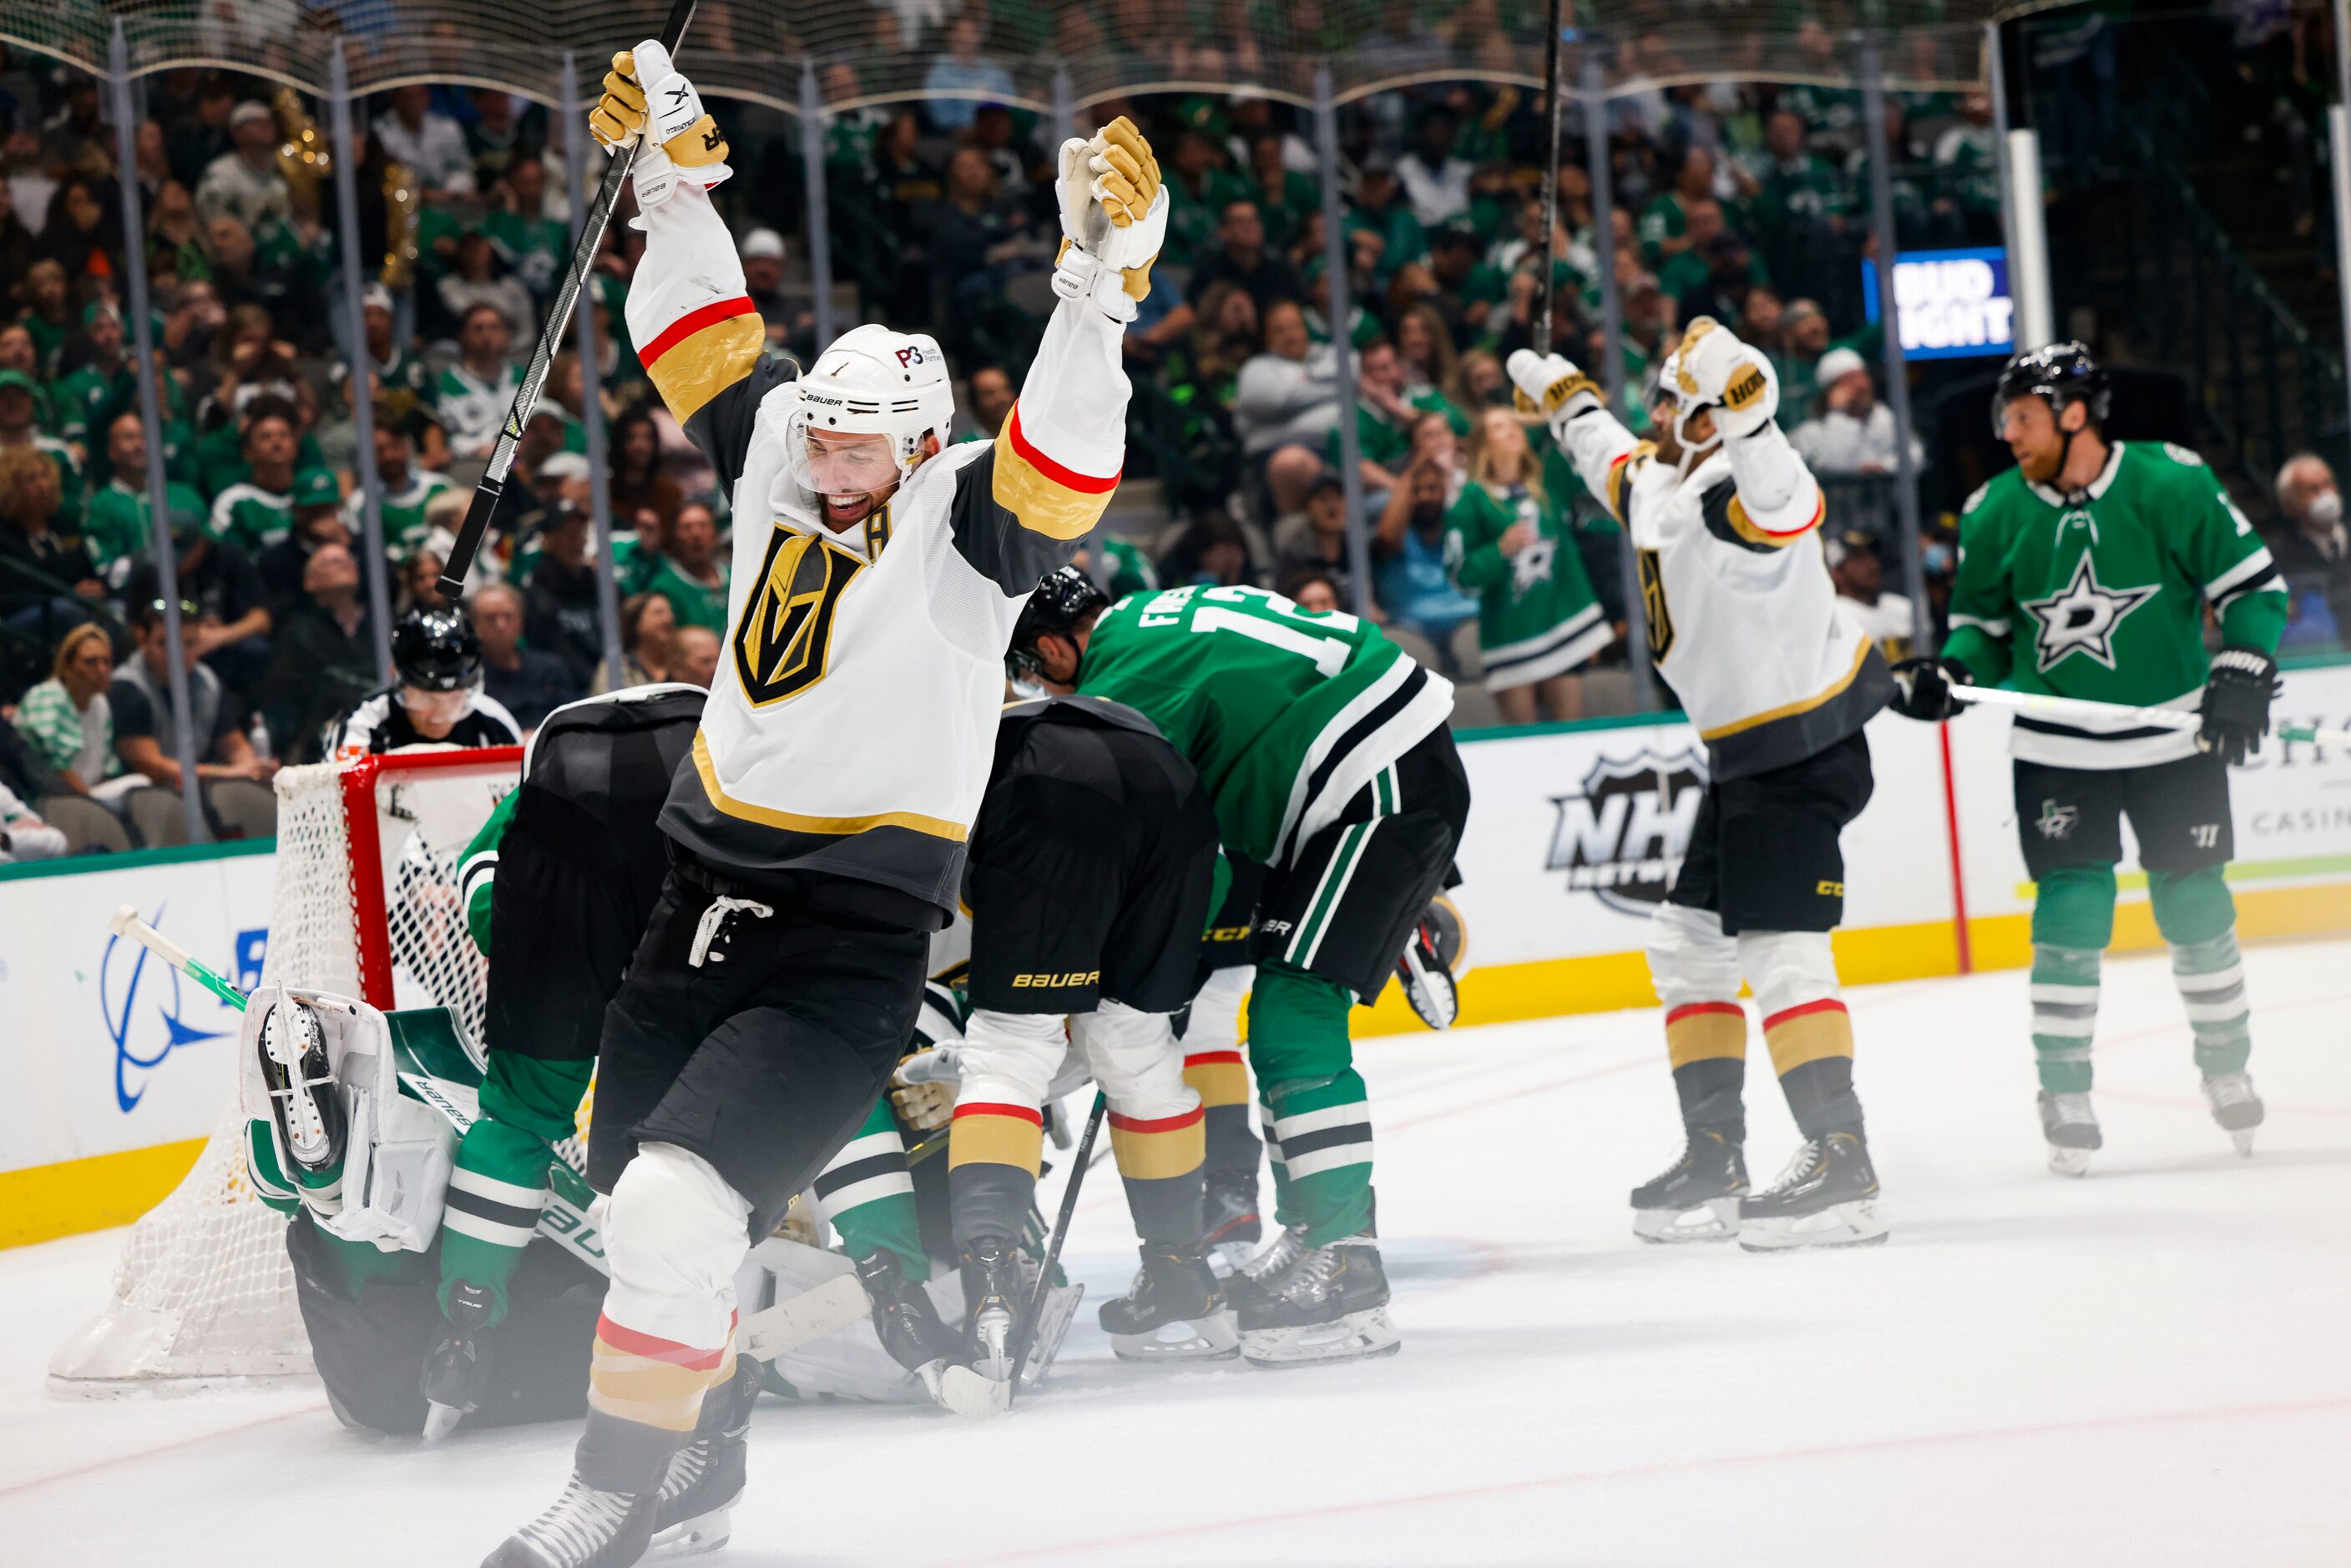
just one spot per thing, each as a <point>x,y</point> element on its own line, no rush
<point>2083,709</point>
<point>492,483</point>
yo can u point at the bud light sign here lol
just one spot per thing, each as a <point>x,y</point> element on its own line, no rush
<point>1952,304</point>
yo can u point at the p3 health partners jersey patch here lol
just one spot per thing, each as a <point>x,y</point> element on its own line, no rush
<point>2083,617</point>
<point>785,641</point>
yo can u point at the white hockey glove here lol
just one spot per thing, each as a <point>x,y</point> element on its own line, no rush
<point>1715,367</point>
<point>1550,387</point>
<point>924,1087</point>
<point>685,146</point>
<point>1114,219</point>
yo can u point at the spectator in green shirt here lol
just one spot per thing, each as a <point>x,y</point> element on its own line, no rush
<point>116,526</point>
<point>1199,189</point>
<point>690,575</point>
<point>1284,197</point>
<point>1382,232</point>
<point>83,399</point>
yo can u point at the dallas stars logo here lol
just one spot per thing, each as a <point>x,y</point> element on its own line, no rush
<point>2083,617</point>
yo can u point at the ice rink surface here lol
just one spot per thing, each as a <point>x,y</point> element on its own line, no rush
<point>2152,1365</point>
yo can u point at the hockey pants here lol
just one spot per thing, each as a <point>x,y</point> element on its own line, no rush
<point>1157,1129</point>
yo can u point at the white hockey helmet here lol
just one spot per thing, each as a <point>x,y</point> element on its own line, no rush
<point>871,381</point>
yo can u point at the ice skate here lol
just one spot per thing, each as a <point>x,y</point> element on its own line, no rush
<point>693,1506</point>
<point>1176,1312</point>
<point>584,1529</point>
<point>1826,1198</point>
<point>1697,1198</point>
<point>977,1383</point>
<point>2235,1106</point>
<point>1253,1279</point>
<point>457,1369</point>
<point>903,1317</point>
<point>2072,1128</point>
<point>302,1097</point>
<point>1331,1305</point>
<point>1233,1228</point>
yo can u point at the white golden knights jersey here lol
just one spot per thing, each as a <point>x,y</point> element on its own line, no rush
<point>1743,622</point>
<point>851,723</point>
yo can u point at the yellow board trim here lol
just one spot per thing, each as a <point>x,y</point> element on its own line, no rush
<point>41,1203</point>
<point>794,822</point>
<point>691,372</point>
<point>996,1141</point>
<point>1159,1156</point>
<point>1815,1036</point>
<point>1803,704</point>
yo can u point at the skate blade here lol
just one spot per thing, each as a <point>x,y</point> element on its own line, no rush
<point>2244,1138</point>
<point>1054,1321</point>
<point>440,1420</point>
<point>966,1392</point>
<point>1216,1337</point>
<point>1358,1337</point>
<point>1717,1219</point>
<point>693,1537</point>
<point>2069,1161</point>
<point>1854,1224</point>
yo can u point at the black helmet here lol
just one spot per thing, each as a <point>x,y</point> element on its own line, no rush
<point>2062,373</point>
<point>1063,597</point>
<point>436,651</point>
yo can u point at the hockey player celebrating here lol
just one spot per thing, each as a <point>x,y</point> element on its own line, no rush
<point>819,831</point>
<point>435,697</point>
<point>2084,572</point>
<point>1325,752</point>
<point>1743,624</point>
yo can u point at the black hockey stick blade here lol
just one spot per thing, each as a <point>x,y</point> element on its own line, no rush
<point>1078,1168</point>
<point>492,483</point>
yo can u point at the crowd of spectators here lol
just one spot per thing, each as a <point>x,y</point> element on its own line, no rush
<point>1747,204</point>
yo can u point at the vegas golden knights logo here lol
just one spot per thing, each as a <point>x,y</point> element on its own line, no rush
<point>1653,605</point>
<point>786,637</point>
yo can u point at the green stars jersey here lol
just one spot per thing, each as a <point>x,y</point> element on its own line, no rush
<point>1285,713</point>
<point>115,526</point>
<point>249,516</point>
<point>1537,616</point>
<point>1131,570</point>
<point>405,526</point>
<point>2101,595</point>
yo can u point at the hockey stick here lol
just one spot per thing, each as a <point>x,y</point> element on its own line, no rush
<point>2086,711</point>
<point>1543,264</point>
<point>492,483</point>
<point>1081,1164</point>
<point>125,922</point>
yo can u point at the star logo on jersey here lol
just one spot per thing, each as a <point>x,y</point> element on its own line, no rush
<point>2083,617</point>
<point>1531,567</point>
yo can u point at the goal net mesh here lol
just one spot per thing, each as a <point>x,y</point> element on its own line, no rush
<point>364,903</point>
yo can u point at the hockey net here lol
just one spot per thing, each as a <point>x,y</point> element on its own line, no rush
<point>364,902</point>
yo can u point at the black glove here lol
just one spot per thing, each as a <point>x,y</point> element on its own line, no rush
<point>2236,706</point>
<point>1926,685</point>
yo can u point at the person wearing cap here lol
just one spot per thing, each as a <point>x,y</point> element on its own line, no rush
<point>1850,431</point>
<point>115,523</point>
<point>405,490</point>
<point>243,182</point>
<point>788,320</point>
<point>401,379</point>
<point>1859,573</point>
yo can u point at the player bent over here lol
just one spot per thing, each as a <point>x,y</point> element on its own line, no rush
<point>557,887</point>
<point>1743,624</point>
<point>2084,572</point>
<point>819,827</point>
<point>1326,755</point>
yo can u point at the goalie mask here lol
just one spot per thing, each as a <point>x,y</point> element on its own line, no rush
<point>866,409</point>
<point>303,1099</point>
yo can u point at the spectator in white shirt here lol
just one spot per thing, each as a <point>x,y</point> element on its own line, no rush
<point>245,184</point>
<point>24,836</point>
<point>432,145</point>
<point>1289,394</point>
<point>1436,182</point>
<point>1851,432</point>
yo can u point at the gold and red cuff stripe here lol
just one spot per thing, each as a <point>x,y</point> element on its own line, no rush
<point>1808,1032</point>
<point>1217,1077</point>
<point>703,353</point>
<point>1045,496</point>
<point>655,1382</point>
<point>997,1133</point>
<point>1704,1031</point>
<point>1161,1147</point>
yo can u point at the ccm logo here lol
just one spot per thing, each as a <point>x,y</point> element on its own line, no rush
<point>1746,388</point>
<point>1055,982</point>
<point>1830,890</point>
<point>909,355</point>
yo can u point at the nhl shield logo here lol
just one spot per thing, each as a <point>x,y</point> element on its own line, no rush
<point>1622,836</point>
